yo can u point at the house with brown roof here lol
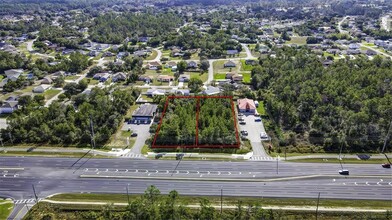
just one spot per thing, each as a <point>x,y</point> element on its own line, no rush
<point>155,65</point>
<point>165,78</point>
<point>246,106</point>
<point>237,77</point>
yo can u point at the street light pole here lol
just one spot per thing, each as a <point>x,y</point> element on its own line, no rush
<point>128,193</point>
<point>318,200</point>
<point>221,200</point>
<point>35,195</point>
<point>277,164</point>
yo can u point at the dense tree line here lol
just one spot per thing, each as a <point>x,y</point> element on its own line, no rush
<point>64,37</point>
<point>348,103</point>
<point>216,123</point>
<point>213,44</point>
<point>69,124</point>
<point>11,61</point>
<point>115,28</point>
<point>179,123</point>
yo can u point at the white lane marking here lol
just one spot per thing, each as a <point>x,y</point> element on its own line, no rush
<point>381,180</point>
<point>254,175</point>
<point>367,183</point>
<point>156,171</point>
<point>378,183</point>
<point>390,183</point>
<point>356,183</point>
<point>201,175</point>
<point>229,173</point>
<point>239,173</point>
<point>136,171</point>
<point>146,171</point>
<point>198,172</point>
<point>187,172</point>
<point>149,174</point>
<point>219,173</point>
<point>106,170</point>
<point>96,170</point>
<point>344,183</point>
<point>177,172</point>
<point>334,180</point>
<point>116,171</point>
<point>85,170</point>
<point>167,172</point>
<point>208,173</point>
<point>126,170</point>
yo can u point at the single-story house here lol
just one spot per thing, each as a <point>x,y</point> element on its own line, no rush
<point>144,114</point>
<point>13,74</point>
<point>8,107</point>
<point>184,78</point>
<point>229,75</point>
<point>353,46</point>
<point>46,80</point>
<point>246,106</point>
<point>191,65</point>
<point>371,53</point>
<point>172,65</point>
<point>232,52</point>
<point>41,88</point>
<point>120,76</point>
<point>101,76</point>
<point>211,90</point>
<point>229,64</point>
<point>153,65</point>
<point>237,77</point>
<point>165,78</point>
<point>184,92</point>
<point>146,79</point>
<point>122,54</point>
<point>154,92</point>
<point>251,62</point>
<point>3,82</point>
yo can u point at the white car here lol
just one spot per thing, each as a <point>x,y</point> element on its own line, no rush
<point>263,135</point>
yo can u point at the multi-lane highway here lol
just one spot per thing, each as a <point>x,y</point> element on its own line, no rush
<point>263,179</point>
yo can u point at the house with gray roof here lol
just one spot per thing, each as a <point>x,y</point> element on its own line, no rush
<point>144,114</point>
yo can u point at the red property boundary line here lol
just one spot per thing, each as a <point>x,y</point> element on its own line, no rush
<point>196,144</point>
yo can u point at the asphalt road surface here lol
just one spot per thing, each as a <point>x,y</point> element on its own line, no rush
<point>254,129</point>
<point>261,179</point>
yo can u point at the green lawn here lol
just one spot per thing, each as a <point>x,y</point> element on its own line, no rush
<point>50,93</point>
<point>220,76</point>
<point>215,200</point>
<point>335,160</point>
<point>246,77</point>
<point>261,109</point>
<point>218,66</point>
<point>245,67</point>
<point>92,81</point>
<point>167,71</point>
<point>5,208</point>
<point>153,55</point>
<point>203,76</point>
<point>73,77</point>
<point>297,40</point>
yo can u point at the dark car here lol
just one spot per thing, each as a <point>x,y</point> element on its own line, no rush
<point>344,172</point>
<point>257,119</point>
<point>157,156</point>
<point>245,133</point>
<point>240,114</point>
<point>241,119</point>
<point>386,165</point>
<point>242,123</point>
<point>179,156</point>
<point>134,135</point>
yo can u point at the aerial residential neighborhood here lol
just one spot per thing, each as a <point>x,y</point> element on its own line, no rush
<point>226,109</point>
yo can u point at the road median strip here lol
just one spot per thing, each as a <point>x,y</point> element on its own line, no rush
<point>11,168</point>
<point>295,208</point>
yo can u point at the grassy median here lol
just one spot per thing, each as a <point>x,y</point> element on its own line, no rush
<point>5,208</point>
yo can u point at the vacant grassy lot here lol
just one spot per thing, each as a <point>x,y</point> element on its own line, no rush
<point>50,93</point>
<point>219,76</point>
<point>297,40</point>
<point>203,76</point>
<point>153,55</point>
<point>246,77</point>
<point>261,109</point>
<point>245,67</point>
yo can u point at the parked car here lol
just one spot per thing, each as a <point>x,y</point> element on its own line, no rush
<point>134,134</point>
<point>242,123</point>
<point>263,135</point>
<point>243,132</point>
<point>241,119</point>
<point>240,114</point>
<point>386,165</point>
<point>257,119</point>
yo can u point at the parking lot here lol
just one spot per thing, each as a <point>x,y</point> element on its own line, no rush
<point>254,129</point>
<point>143,133</point>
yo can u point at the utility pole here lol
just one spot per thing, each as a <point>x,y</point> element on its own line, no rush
<point>318,200</point>
<point>35,195</point>
<point>92,133</point>
<point>277,164</point>
<point>128,193</point>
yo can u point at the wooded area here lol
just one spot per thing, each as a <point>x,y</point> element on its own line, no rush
<point>348,103</point>
<point>215,124</point>
<point>69,124</point>
<point>114,28</point>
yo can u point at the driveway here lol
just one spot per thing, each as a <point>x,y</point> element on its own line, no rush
<point>254,129</point>
<point>143,134</point>
<point>3,123</point>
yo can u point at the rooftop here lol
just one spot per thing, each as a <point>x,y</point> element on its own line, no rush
<point>145,110</point>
